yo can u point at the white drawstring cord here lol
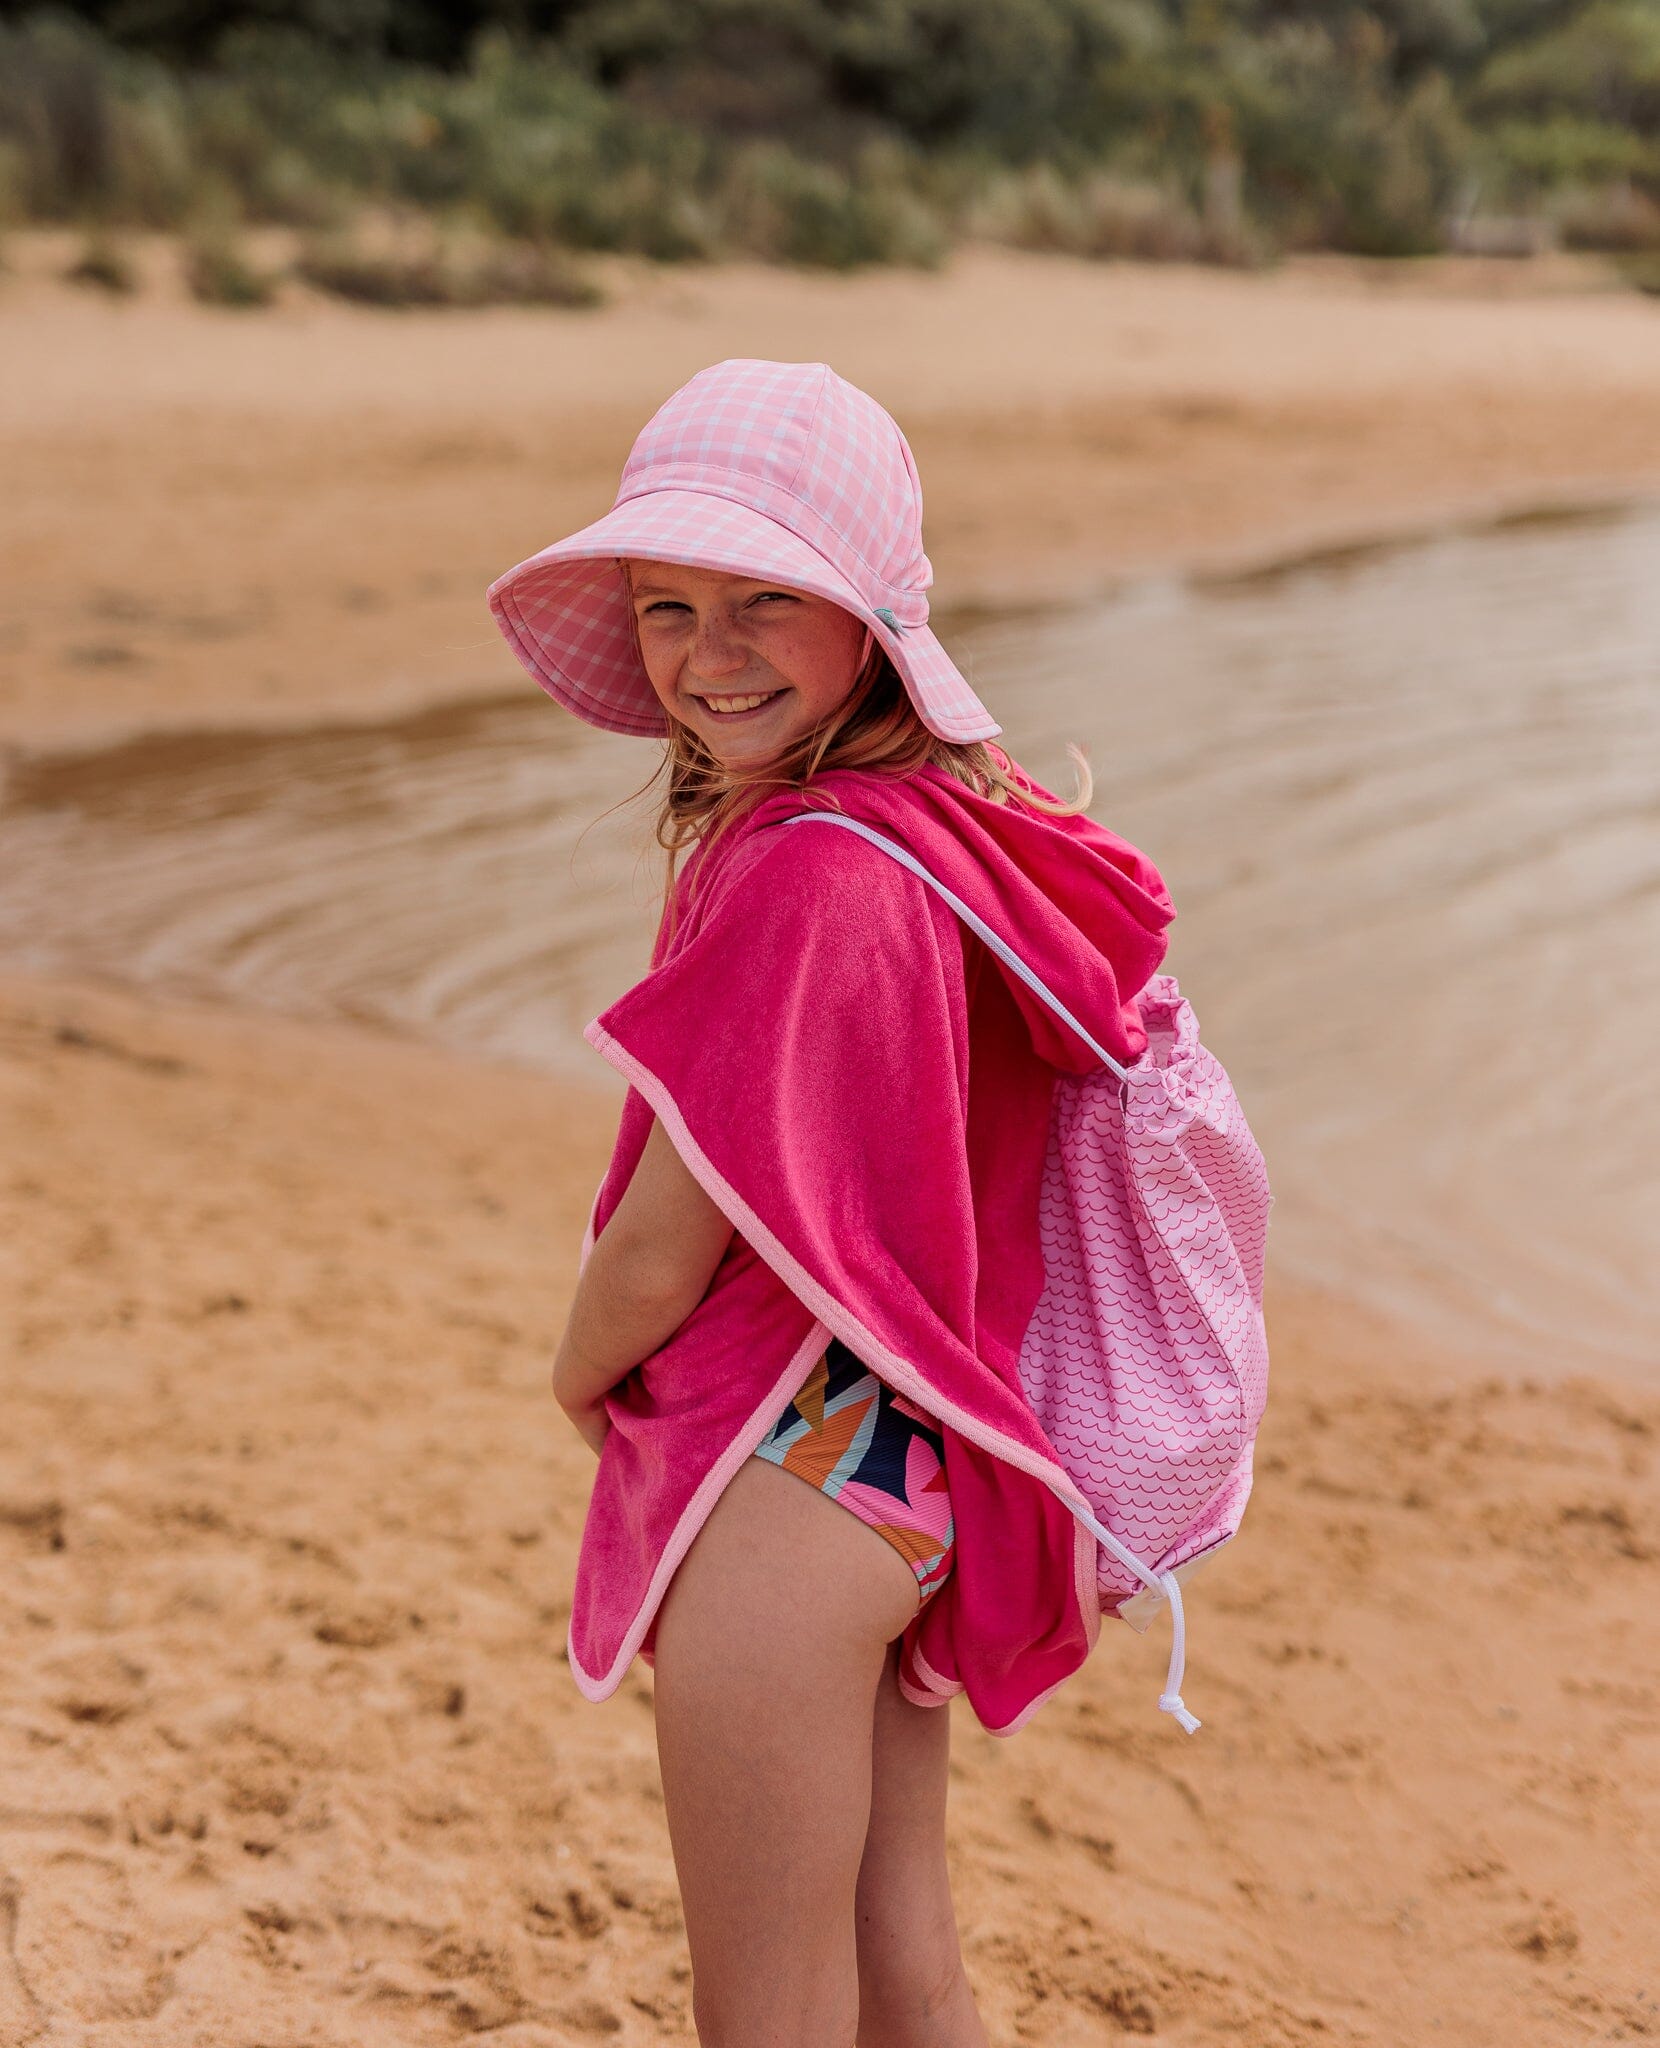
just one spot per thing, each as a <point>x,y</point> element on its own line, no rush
<point>1170,1700</point>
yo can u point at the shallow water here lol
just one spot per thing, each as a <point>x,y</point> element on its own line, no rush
<point>1407,802</point>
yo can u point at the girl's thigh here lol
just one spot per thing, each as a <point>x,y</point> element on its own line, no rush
<point>770,1647</point>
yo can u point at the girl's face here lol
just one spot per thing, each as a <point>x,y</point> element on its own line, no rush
<point>749,666</point>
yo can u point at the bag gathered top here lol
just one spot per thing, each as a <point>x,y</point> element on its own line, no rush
<point>1146,1361</point>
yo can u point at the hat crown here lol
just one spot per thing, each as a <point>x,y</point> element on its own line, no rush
<point>806,448</point>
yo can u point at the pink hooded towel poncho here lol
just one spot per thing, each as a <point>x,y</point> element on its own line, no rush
<point>865,1092</point>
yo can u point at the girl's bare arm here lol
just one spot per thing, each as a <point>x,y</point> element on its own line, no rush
<point>649,1268</point>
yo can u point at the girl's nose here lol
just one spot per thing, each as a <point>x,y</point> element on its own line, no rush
<point>716,649</point>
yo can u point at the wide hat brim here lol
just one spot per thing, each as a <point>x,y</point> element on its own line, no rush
<point>565,612</point>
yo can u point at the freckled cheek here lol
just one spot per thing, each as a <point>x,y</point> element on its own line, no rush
<point>664,655</point>
<point>807,661</point>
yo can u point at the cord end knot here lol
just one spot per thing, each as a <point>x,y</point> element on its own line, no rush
<point>1171,1703</point>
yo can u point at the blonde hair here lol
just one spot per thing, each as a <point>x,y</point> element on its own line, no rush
<point>875,728</point>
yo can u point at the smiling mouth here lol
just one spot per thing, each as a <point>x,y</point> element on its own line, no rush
<point>738,707</point>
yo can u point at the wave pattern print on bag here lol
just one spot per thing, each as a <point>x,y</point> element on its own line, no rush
<point>1146,1358</point>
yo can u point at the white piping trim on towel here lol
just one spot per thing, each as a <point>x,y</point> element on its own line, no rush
<point>933,1689</point>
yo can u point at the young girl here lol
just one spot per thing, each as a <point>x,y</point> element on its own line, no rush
<point>824,1504</point>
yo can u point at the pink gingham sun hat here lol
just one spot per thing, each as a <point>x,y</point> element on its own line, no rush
<point>777,471</point>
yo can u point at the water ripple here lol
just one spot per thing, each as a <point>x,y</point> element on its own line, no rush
<point>1407,800</point>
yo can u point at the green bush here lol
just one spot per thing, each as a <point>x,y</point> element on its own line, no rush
<point>528,274</point>
<point>779,206</point>
<point>1566,149</point>
<point>840,132</point>
<point>1614,217</point>
<point>437,273</point>
<point>1643,271</point>
<point>57,115</point>
<point>218,270</point>
<point>104,264</point>
<point>1337,155</point>
<point>13,181</point>
<point>1601,65</point>
<point>1099,214</point>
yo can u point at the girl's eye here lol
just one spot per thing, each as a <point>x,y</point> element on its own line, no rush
<point>675,604</point>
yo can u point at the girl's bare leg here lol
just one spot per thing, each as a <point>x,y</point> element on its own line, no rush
<point>912,1989</point>
<point>770,1648</point>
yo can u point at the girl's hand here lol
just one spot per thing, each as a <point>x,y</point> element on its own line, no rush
<point>582,1398</point>
<point>644,1274</point>
<point>591,1423</point>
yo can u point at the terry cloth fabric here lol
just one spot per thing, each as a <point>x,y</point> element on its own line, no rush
<point>865,1092</point>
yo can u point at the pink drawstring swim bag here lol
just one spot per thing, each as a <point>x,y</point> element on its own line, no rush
<point>1146,1359</point>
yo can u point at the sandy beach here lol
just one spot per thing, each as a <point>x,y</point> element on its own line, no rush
<point>288,1752</point>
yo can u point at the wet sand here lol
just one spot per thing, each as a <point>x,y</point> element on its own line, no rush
<point>221,517</point>
<point>1395,797</point>
<point>287,1750</point>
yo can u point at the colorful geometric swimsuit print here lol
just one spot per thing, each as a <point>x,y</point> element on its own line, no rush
<point>850,1435</point>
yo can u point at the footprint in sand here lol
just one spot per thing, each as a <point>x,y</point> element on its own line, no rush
<point>20,2015</point>
<point>80,1952</point>
<point>589,2016</point>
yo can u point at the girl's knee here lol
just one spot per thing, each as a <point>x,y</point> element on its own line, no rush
<point>917,1997</point>
<point>817,2017</point>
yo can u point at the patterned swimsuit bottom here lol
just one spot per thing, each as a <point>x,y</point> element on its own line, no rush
<point>850,1435</point>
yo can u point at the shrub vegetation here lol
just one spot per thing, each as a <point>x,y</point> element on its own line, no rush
<point>838,132</point>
